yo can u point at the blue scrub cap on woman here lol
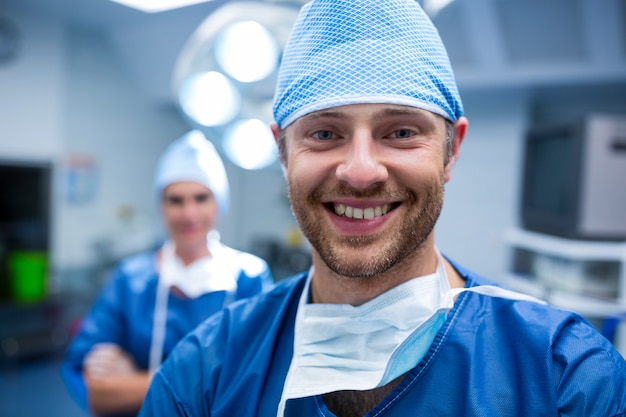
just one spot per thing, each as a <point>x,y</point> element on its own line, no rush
<point>364,51</point>
<point>193,158</point>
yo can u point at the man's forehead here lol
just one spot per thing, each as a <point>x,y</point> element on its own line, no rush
<point>371,110</point>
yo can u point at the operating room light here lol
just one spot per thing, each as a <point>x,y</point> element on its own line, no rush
<point>237,49</point>
<point>433,7</point>
<point>210,98</point>
<point>247,51</point>
<point>155,6</point>
<point>250,144</point>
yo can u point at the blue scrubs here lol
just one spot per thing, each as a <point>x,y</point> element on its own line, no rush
<point>493,357</point>
<point>123,312</point>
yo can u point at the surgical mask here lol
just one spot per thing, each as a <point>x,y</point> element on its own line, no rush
<point>203,276</point>
<point>342,347</point>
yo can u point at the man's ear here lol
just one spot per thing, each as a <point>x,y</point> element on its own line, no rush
<point>460,128</point>
<point>275,131</point>
<point>278,137</point>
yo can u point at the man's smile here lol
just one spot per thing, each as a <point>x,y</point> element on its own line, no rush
<point>360,212</point>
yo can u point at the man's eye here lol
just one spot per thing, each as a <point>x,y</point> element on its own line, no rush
<point>402,134</point>
<point>323,135</point>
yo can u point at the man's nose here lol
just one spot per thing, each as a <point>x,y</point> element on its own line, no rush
<point>361,164</point>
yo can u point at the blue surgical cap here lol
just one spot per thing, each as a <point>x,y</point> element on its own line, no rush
<point>193,158</point>
<point>364,51</point>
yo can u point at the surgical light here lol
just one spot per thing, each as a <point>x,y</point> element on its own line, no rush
<point>209,98</point>
<point>240,45</point>
<point>155,6</point>
<point>250,144</point>
<point>433,7</point>
<point>247,51</point>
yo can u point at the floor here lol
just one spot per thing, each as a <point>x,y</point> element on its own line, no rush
<point>35,389</point>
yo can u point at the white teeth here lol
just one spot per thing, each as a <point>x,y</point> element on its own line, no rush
<point>360,213</point>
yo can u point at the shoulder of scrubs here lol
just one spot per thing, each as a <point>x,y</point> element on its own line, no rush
<point>105,320</point>
<point>586,362</point>
<point>581,369</point>
<point>221,368</point>
<point>255,275</point>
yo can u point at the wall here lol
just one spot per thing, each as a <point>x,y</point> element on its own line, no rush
<point>66,95</point>
<point>108,119</point>
<point>32,86</point>
<point>259,207</point>
<point>482,195</point>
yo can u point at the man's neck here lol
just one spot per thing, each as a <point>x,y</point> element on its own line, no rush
<point>331,288</point>
<point>358,403</point>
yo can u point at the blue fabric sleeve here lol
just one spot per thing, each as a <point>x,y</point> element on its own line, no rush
<point>162,400</point>
<point>102,324</point>
<point>590,375</point>
<point>186,371</point>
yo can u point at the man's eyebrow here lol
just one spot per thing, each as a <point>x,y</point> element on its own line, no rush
<point>402,111</point>
<point>387,111</point>
<point>324,114</point>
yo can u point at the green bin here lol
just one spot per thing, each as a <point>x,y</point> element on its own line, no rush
<point>27,272</point>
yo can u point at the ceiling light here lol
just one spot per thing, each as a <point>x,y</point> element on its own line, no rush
<point>247,51</point>
<point>155,6</point>
<point>433,7</point>
<point>242,42</point>
<point>209,98</point>
<point>250,144</point>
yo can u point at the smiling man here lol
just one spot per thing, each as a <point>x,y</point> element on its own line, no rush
<point>369,124</point>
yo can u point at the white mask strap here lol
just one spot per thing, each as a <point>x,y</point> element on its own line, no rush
<point>159,322</point>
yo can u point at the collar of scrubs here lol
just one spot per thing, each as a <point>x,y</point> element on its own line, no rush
<point>205,275</point>
<point>342,347</point>
<point>208,274</point>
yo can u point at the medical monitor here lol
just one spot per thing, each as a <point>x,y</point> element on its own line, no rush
<point>574,179</point>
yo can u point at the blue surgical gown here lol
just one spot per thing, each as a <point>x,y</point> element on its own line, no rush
<point>123,312</point>
<point>493,357</point>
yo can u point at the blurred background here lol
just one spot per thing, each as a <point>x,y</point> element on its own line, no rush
<point>92,91</point>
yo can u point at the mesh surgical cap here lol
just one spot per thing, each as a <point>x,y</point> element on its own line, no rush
<point>364,51</point>
<point>193,158</point>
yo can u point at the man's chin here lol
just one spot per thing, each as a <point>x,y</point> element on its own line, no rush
<point>357,263</point>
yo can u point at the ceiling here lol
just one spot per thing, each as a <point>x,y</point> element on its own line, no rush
<point>492,43</point>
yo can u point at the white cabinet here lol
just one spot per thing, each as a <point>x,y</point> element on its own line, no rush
<point>588,277</point>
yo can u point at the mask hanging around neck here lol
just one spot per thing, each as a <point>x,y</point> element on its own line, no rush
<point>342,347</point>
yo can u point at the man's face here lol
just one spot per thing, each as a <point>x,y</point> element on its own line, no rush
<point>366,183</point>
<point>190,212</point>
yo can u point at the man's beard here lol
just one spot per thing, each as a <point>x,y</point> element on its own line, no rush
<point>368,256</point>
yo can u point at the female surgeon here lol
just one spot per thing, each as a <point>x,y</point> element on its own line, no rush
<point>153,299</point>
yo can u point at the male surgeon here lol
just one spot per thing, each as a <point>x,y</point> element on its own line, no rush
<point>369,124</point>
